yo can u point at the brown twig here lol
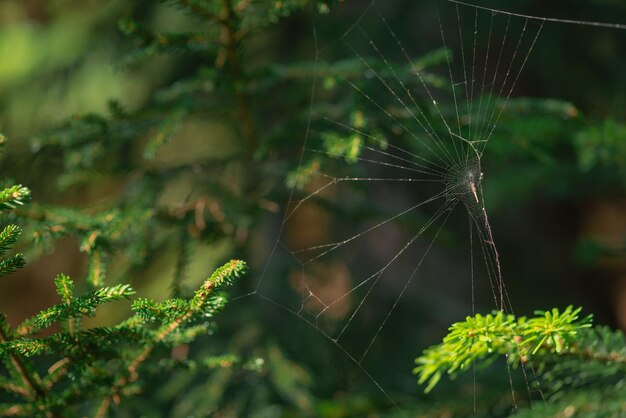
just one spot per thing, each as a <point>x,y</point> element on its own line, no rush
<point>230,40</point>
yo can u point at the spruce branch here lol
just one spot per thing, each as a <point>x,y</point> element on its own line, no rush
<point>10,198</point>
<point>65,290</point>
<point>11,264</point>
<point>30,378</point>
<point>8,237</point>
<point>87,343</point>
<point>90,358</point>
<point>484,338</point>
<point>82,306</point>
<point>14,196</point>
<point>199,305</point>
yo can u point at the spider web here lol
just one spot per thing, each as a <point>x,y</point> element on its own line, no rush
<point>391,161</point>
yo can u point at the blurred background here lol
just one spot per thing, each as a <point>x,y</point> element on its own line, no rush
<point>105,116</point>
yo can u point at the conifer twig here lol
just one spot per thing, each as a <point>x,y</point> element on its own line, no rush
<point>31,380</point>
<point>35,388</point>
<point>132,374</point>
<point>220,276</point>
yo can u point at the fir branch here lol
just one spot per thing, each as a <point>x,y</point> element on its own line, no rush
<point>555,329</point>
<point>8,237</point>
<point>95,343</point>
<point>11,264</point>
<point>484,338</point>
<point>165,311</point>
<point>30,378</point>
<point>28,347</point>
<point>198,305</point>
<point>607,402</point>
<point>65,290</point>
<point>598,360</point>
<point>82,306</point>
<point>14,196</point>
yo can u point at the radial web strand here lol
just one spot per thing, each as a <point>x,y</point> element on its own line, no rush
<point>392,155</point>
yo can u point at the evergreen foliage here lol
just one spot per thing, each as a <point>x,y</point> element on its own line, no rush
<point>571,362</point>
<point>57,366</point>
<point>138,220</point>
<point>10,198</point>
<point>93,368</point>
